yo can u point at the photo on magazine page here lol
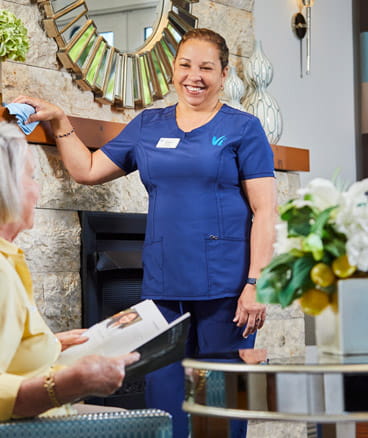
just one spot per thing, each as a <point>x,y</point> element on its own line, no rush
<point>124,318</point>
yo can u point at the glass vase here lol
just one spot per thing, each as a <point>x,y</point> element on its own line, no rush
<point>344,332</point>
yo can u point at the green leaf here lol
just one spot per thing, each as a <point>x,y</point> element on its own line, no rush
<point>300,275</point>
<point>280,259</point>
<point>267,295</point>
<point>274,278</point>
<point>313,243</point>
<point>277,278</point>
<point>297,252</point>
<point>285,207</point>
<point>298,220</point>
<point>321,220</point>
<point>336,247</point>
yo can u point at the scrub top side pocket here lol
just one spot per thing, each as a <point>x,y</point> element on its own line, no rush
<point>227,265</point>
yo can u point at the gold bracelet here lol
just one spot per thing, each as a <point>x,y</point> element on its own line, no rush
<point>49,385</point>
<point>66,134</point>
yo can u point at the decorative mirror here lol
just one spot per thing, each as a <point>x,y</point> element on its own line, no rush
<point>119,77</point>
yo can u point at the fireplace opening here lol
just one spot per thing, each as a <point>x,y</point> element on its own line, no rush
<point>111,273</point>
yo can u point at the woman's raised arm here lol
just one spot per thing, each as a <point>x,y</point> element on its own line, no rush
<point>84,166</point>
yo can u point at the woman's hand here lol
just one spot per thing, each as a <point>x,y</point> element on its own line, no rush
<point>249,312</point>
<point>44,110</point>
<point>102,376</point>
<point>71,337</point>
<point>92,375</point>
<point>84,166</point>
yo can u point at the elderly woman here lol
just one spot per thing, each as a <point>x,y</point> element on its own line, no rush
<point>30,383</point>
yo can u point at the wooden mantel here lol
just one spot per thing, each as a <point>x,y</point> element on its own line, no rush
<point>95,133</point>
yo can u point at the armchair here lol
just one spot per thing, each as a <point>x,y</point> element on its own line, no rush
<point>145,423</point>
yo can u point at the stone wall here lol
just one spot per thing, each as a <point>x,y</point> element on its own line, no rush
<point>52,246</point>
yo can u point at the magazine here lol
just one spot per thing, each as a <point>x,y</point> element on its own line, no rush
<point>141,328</point>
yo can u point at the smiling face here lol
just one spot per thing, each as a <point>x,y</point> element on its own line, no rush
<point>198,75</point>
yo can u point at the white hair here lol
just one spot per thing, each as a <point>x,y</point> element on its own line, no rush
<point>13,153</point>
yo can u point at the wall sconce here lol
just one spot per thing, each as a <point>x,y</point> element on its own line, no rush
<point>302,27</point>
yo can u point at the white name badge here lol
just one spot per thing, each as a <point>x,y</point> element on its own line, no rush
<point>170,143</point>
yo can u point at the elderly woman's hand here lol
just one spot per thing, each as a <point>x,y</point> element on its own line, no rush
<point>102,376</point>
<point>249,312</point>
<point>71,337</point>
<point>90,376</point>
<point>44,109</point>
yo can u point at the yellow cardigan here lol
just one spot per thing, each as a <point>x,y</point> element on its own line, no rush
<point>27,346</point>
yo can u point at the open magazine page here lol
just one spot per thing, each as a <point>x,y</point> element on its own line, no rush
<point>119,334</point>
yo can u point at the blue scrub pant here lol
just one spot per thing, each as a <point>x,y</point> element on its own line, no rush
<point>212,331</point>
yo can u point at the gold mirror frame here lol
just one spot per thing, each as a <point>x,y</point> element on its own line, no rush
<point>122,79</point>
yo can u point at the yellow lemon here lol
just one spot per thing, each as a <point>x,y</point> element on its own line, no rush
<point>322,275</point>
<point>313,301</point>
<point>342,268</point>
<point>334,302</point>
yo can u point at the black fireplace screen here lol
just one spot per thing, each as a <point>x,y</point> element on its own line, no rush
<point>111,272</point>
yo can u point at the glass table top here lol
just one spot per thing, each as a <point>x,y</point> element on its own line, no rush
<point>314,387</point>
<point>256,361</point>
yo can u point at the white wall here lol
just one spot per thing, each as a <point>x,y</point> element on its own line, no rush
<point>318,110</point>
<point>127,26</point>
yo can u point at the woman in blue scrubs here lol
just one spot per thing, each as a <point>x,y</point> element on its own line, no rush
<point>208,170</point>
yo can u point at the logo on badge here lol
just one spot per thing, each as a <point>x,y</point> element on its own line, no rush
<point>218,141</point>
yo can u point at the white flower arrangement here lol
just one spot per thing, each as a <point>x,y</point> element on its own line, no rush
<point>352,220</point>
<point>322,237</point>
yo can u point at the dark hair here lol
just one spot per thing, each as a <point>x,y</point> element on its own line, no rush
<point>211,36</point>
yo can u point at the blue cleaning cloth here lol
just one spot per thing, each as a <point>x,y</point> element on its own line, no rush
<point>22,111</point>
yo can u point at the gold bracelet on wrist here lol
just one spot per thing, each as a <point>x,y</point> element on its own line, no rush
<point>66,134</point>
<point>49,385</point>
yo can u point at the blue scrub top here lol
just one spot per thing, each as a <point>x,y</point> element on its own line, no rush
<point>198,225</point>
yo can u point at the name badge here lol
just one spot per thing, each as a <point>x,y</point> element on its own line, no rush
<point>169,143</point>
